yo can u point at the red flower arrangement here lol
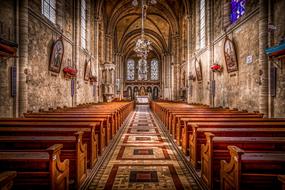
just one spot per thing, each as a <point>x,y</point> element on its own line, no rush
<point>217,67</point>
<point>70,72</point>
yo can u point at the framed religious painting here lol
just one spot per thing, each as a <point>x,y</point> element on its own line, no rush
<point>230,55</point>
<point>87,72</point>
<point>198,70</point>
<point>56,56</point>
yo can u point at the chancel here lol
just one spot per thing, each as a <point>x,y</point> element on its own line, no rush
<point>142,94</point>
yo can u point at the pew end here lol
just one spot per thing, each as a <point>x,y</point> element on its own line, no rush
<point>230,172</point>
<point>6,179</point>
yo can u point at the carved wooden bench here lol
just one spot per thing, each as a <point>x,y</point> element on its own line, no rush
<point>251,171</point>
<point>42,169</point>
<point>197,137</point>
<point>174,117</point>
<point>89,136</point>
<point>106,119</point>
<point>215,150</point>
<point>73,149</point>
<point>176,126</point>
<point>6,179</point>
<point>281,178</point>
<point>187,126</point>
<point>100,130</point>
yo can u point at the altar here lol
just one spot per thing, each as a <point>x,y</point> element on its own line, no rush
<point>142,99</point>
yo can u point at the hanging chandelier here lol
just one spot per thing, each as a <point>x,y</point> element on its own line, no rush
<point>143,46</point>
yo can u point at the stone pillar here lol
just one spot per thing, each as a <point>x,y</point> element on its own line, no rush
<point>188,55</point>
<point>176,61</point>
<point>119,75</point>
<point>108,48</point>
<point>212,54</point>
<point>23,55</point>
<point>162,76</point>
<point>76,47</point>
<point>122,76</point>
<point>263,59</point>
<point>109,83</point>
<point>166,75</point>
<point>96,56</point>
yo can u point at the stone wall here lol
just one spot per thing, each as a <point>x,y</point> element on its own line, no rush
<point>239,89</point>
<point>46,89</point>
<point>7,31</point>
<point>279,20</point>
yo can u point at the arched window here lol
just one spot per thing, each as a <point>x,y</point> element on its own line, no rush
<point>154,72</point>
<point>202,23</point>
<point>49,9</point>
<point>237,9</point>
<point>83,23</point>
<point>130,69</point>
<point>142,69</point>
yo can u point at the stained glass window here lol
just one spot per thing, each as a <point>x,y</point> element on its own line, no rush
<point>131,69</point>
<point>83,23</point>
<point>142,69</point>
<point>48,9</point>
<point>202,22</point>
<point>154,74</point>
<point>237,9</point>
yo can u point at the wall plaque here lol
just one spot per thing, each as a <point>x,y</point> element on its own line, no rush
<point>56,56</point>
<point>230,55</point>
<point>198,70</point>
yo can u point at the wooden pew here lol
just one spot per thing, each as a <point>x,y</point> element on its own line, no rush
<point>60,123</point>
<point>6,179</point>
<point>177,127</point>
<point>251,171</point>
<point>186,128</point>
<point>197,137</point>
<point>73,149</point>
<point>215,150</point>
<point>281,178</point>
<point>37,170</point>
<point>106,119</point>
<point>174,117</point>
<point>89,136</point>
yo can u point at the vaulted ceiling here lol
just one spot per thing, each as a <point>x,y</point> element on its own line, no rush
<point>123,22</point>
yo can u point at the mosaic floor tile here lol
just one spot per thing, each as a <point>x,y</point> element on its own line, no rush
<point>143,153</point>
<point>143,176</point>
<point>142,158</point>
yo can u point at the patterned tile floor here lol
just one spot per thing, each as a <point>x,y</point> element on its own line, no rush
<point>142,158</point>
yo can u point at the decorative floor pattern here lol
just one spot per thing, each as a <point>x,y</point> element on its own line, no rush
<point>143,158</point>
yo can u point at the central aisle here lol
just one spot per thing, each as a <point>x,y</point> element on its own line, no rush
<point>142,158</point>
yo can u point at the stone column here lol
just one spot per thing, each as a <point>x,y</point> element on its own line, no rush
<point>96,55</point>
<point>211,45</point>
<point>188,55</point>
<point>76,46</point>
<point>162,76</point>
<point>263,59</point>
<point>23,55</point>
<point>109,86</point>
<point>108,48</point>
<point>119,74</point>
<point>176,62</point>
